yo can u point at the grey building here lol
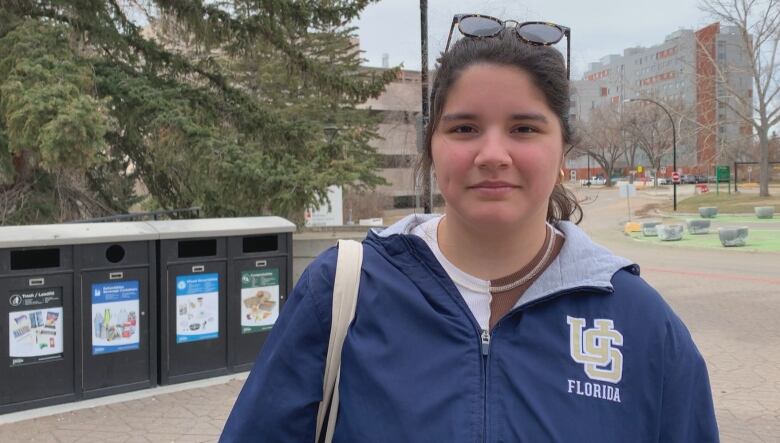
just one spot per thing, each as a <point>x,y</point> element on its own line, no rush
<point>398,107</point>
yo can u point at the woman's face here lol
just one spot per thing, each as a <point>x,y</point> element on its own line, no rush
<point>498,148</point>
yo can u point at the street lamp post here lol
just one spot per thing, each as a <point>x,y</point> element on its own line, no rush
<point>674,142</point>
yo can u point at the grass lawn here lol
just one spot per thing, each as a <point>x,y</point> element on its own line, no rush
<point>758,240</point>
<point>741,203</point>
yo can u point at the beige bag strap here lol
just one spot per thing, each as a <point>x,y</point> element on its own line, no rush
<point>345,291</point>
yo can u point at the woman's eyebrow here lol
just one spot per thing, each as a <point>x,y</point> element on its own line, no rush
<point>534,117</point>
<point>459,116</point>
<point>467,116</point>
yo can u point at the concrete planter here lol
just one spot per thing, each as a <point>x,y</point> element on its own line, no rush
<point>669,232</point>
<point>697,227</point>
<point>764,211</point>
<point>708,211</point>
<point>648,229</point>
<point>733,236</point>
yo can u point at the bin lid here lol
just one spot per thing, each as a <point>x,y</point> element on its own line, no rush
<point>221,227</point>
<point>74,234</point>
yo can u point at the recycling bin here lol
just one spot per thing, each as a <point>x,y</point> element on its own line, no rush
<point>259,277</point>
<point>117,289</point>
<point>193,332</point>
<point>201,262</point>
<point>37,323</point>
<point>42,314</point>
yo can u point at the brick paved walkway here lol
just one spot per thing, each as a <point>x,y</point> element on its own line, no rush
<point>188,416</point>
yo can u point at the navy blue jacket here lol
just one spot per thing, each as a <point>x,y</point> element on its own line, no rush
<point>590,353</point>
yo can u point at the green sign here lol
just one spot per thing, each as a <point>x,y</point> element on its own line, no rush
<point>722,173</point>
<point>259,300</point>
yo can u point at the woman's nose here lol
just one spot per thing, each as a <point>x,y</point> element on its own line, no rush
<point>493,152</point>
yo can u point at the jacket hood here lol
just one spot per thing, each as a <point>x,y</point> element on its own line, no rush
<point>580,263</point>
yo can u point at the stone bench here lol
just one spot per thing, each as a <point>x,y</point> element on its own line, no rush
<point>697,227</point>
<point>708,211</point>
<point>648,228</point>
<point>764,211</point>
<point>733,236</point>
<point>669,232</point>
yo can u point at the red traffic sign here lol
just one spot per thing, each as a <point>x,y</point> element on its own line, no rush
<point>676,178</point>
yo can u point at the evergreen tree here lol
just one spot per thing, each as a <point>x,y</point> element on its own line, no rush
<point>224,106</point>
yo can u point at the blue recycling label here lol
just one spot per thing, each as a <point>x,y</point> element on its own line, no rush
<point>115,317</point>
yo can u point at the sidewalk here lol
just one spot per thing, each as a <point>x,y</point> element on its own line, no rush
<point>188,412</point>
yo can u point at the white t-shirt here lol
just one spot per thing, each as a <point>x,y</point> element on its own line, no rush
<point>475,291</point>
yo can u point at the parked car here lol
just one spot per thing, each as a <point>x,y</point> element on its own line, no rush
<point>595,180</point>
<point>701,179</point>
<point>688,179</point>
<point>661,180</point>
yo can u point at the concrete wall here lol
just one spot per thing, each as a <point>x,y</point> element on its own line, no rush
<point>308,245</point>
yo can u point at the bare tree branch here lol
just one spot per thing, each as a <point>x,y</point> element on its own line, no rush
<point>757,23</point>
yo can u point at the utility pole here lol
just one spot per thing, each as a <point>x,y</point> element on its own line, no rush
<point>427,192</point>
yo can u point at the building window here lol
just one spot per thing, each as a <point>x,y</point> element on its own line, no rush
<point>396,161</point>
<point>403,202</point>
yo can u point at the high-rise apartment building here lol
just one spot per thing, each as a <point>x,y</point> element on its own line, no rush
<point>683,72</point>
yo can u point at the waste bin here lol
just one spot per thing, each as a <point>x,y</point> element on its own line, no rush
<point>37,322</point>
<point>193,266</point>
<point>47,277</point>
<point>201,262</point>
<point>117,288</point>
<point>259,277</point>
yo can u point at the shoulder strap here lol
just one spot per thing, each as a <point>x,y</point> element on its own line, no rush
<point>345,291</point>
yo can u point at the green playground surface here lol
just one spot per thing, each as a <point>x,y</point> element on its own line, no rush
<point>722,220</point>
<point>759,240</point>
<point>741,219</point>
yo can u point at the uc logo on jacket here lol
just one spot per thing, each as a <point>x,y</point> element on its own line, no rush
<point>595,349</point>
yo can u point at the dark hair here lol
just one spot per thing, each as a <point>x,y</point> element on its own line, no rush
<point>547,69</point>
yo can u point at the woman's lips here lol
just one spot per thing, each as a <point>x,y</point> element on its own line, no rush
<point>494,188</point>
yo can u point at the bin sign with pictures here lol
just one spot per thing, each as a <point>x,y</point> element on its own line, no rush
<point>35,325</point>
<point>197,307</point>
<point>115,321</point>
<point>259,300</point>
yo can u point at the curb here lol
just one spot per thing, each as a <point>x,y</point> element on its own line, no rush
<point>15,417</point>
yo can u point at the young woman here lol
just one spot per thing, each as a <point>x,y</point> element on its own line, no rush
<point>498,321</point>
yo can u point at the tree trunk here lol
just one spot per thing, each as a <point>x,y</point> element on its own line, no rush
<point>763,147</point>
<point>22,167</point>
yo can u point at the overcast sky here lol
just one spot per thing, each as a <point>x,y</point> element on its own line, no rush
<point>599,27</point>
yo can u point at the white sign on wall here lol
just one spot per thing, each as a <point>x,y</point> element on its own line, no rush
<point>329,214</point>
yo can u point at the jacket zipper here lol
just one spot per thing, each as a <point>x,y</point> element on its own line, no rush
<point>486,337</point>
<point>485,354</point>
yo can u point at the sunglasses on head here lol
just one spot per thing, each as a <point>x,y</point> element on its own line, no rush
<point>533,33</point>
